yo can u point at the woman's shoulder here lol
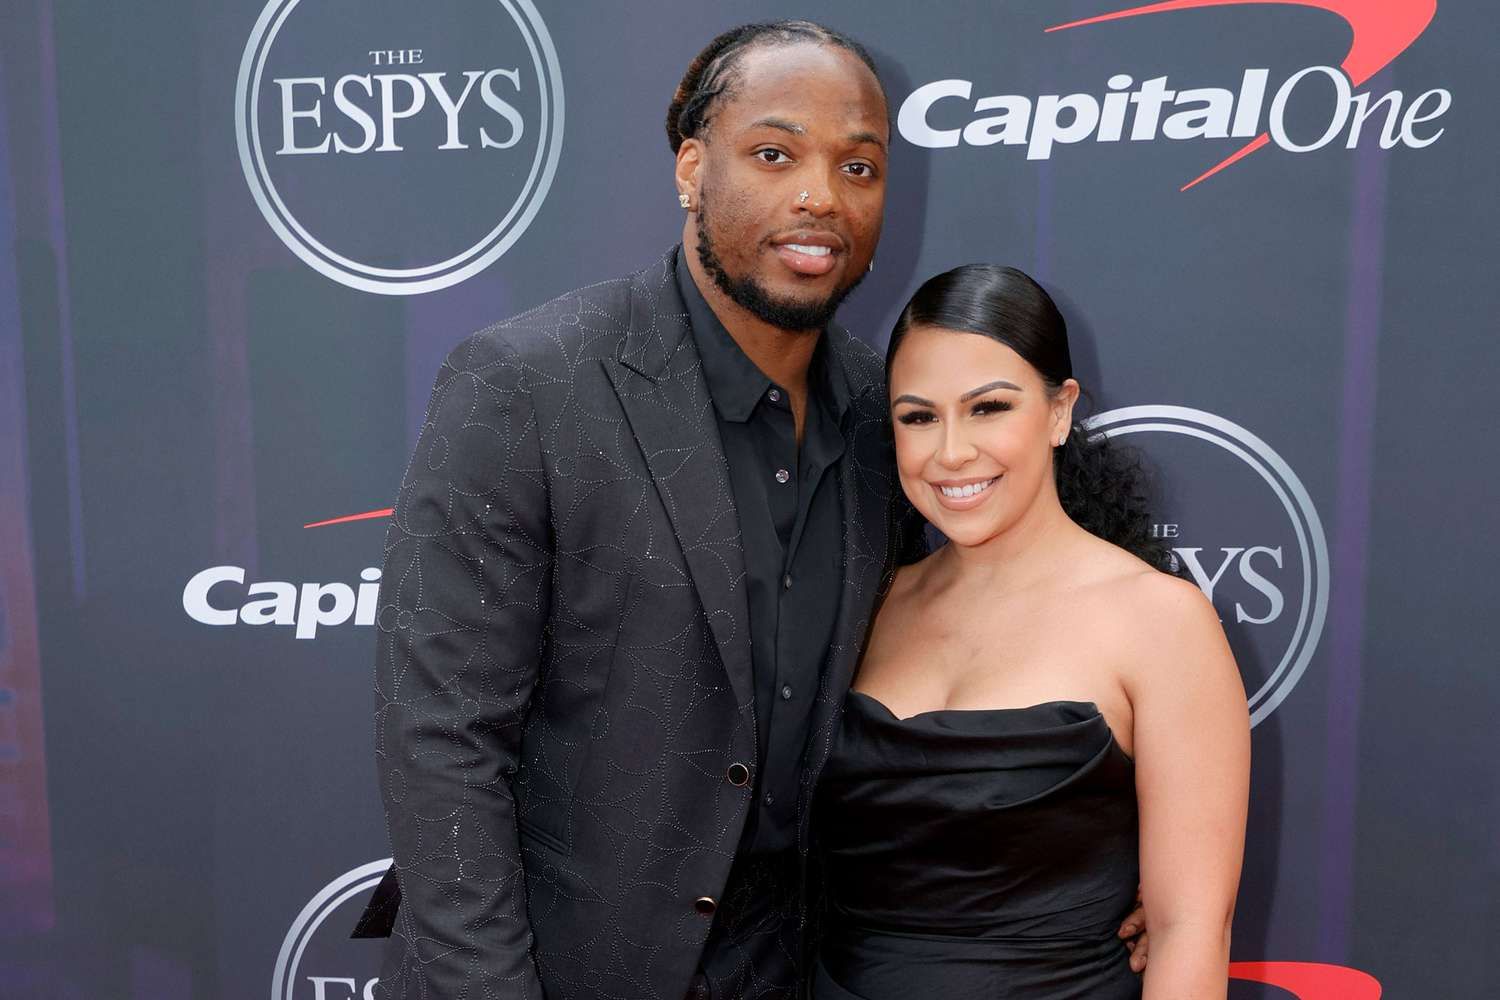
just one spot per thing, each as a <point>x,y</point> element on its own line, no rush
<point>1168,600</point>
<point>1135,587</point>
<point>1153,615</point>
<point>1166,632</point>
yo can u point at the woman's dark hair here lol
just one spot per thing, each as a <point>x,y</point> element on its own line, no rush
<point>712,73</point>
<point>1102,485</point>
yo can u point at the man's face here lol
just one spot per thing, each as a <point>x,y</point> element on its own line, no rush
<point>790,180</point>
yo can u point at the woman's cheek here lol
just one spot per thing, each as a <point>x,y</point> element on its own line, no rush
<point>909,457</point>
<point>909,465</point>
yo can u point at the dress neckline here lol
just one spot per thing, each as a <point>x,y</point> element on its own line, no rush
<point>1089,709</point>
<point>1092,707</point>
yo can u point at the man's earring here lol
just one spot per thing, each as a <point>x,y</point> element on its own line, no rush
<point>684,200</point>
<point>872,265</point>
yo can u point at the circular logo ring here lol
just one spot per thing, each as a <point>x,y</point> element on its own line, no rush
<point>1312,611</point>
<point>332,896</point>
<point>413,280</point>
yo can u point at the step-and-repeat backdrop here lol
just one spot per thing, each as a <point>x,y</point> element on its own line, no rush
<point>238,236</point>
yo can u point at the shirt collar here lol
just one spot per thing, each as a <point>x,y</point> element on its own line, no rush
<point>735,384</point>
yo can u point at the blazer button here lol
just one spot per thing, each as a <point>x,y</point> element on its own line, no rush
<point>705,905</point>
<point>739,776</point>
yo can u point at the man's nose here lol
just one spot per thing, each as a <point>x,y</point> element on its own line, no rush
<point>816,195</point>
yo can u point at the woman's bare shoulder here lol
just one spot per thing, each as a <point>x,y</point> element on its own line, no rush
<point>1147,617</point>
<point>1168,633</point>
<point>1170,603</point>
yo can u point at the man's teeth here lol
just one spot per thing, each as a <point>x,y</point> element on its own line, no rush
<point>958,492</point>
<point>810,251</point>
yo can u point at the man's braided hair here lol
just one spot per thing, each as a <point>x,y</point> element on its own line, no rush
<point>712,73</point>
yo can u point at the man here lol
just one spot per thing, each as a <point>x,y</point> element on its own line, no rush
<point>630,569</point>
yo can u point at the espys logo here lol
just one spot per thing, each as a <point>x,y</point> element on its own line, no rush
<point>1243,526</point>
<point>331,965</point>
<point>399,147</point>
<point>1382,30</point>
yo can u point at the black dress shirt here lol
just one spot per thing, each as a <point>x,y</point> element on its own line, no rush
<point>792,530</point>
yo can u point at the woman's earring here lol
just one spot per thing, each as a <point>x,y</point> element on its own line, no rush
<point>684,200</point>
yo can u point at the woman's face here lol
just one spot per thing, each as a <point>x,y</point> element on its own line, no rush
<point>975,427</point>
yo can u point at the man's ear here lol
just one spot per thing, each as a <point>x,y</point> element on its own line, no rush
<point>689,163</point>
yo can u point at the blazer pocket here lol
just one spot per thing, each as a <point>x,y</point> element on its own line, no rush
<point>608,697</point>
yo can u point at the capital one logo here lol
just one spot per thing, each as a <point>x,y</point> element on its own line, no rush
<point>316,964</point>
<point>399,146</point>
<point>1245,530</point>
<point>219,595</point>
<point>1148,109</point>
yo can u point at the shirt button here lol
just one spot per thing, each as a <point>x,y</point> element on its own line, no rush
<point>786,582</point>
<point>782,475</point>
<point>769,799</point>
<point>786,692</point>
<point>774,395</point>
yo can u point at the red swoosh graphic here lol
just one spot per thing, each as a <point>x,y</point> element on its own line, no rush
<point>1309,980</point>
<point>1383,29</point>
<point>369,515</point>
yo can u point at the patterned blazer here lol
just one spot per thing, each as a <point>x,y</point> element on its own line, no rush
<point>563,687</point>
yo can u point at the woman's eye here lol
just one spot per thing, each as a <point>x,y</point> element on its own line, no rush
<point>771,155</point>
<point>916,417</point>
<point>990,406</point>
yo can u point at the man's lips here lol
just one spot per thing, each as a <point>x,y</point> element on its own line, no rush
<point>810,253</point>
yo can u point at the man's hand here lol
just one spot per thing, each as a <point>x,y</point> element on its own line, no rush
<point>1133,931</point>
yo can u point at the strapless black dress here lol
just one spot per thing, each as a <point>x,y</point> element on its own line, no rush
<point>985,854</point>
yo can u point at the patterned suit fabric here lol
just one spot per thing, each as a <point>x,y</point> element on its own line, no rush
<point>563,675</point>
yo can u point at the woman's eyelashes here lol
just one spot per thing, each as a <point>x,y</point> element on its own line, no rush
<point>983,408</point>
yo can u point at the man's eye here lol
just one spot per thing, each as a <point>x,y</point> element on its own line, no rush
<point>771,155</point>
<point>860,169</point>
<point>916,417</point>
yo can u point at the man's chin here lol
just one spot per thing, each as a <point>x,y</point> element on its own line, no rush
<point>775,295</point>
<point>801,304</point>
<point>794,313</point>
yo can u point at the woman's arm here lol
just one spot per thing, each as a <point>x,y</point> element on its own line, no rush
<point>1192,752</point>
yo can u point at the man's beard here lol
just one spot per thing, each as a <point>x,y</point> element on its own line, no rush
<point>750,295</point>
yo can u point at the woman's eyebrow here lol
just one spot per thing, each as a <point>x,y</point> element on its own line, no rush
<point>997,384</point>
<point>907,397</point>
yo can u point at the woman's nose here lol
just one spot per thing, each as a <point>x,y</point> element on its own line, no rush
<point>956,449</point>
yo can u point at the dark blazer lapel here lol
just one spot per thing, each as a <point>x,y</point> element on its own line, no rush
<point>659,380</point>
<point>866,484</point>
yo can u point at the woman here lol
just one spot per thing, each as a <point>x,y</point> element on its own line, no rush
<point>1042,717</point>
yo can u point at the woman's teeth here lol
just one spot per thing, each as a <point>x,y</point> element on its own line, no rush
<point>810,251</point>
<point>959,492</point>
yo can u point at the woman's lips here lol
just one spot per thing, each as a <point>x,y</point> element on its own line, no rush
<point>964,497</point>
